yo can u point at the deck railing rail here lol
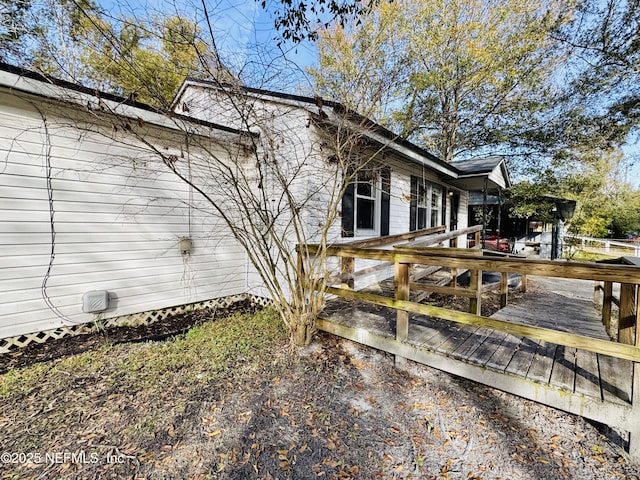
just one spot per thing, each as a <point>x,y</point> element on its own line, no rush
<point>404,256</point>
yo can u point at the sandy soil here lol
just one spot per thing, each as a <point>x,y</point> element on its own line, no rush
<point>334,410</point>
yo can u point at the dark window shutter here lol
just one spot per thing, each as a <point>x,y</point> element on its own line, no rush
<point>385,201</point>
<point>455,204</point>
<point>413,206</point>
<point>445,197</point>
<point>347,210</point>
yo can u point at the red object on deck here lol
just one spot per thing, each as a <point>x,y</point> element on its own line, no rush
<point>491,243</point>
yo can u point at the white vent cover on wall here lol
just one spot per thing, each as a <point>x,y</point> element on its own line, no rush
<point>95,301</point>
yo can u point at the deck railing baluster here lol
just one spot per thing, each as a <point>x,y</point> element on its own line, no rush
<point>475,303</point>
<point>347,269</point>
<point>607,301</point>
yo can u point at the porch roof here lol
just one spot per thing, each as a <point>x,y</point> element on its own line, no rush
<point>473,173</point>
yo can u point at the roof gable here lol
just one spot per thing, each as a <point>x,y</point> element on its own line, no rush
<point>473,173</point>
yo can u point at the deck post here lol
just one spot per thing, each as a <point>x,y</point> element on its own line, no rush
<point>634,432</point>
<point>504,289</point>
<point>475,303</point>
<point>401,288</point>
<point>523,283</point>
<point>628,313</point>
<point>401,292</point>
<point>477,238</point>
<point>347,269</point>
<point>606,306</point>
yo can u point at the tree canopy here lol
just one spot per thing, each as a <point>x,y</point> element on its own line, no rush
<point>467,75</point>
<point>142,64</point>
<point>145,58</point>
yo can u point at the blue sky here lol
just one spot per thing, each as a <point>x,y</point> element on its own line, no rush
<point>244,34</point>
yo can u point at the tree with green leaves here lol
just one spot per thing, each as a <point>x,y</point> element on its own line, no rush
<point>141,63</point>
<point>607,205</point>
<point>14,27</point>
<point>298,21</point>
<point>468,75</point>
<point>606,44</point>
<point>144,58</point>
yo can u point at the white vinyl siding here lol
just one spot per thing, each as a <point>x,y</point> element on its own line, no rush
<point>116,227</point>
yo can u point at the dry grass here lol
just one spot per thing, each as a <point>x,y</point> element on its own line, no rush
<point>231,400</point>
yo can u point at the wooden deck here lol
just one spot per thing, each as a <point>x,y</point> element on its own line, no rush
<point>589,384</point>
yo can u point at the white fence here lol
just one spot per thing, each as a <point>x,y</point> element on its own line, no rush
<point>607,245</point>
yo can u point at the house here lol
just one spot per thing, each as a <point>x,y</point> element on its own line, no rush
<point>100,219</point>
<point>85,208</point>
<point>415,191</point>
<point>407,188</point>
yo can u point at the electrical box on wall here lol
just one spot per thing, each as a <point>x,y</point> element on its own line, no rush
<point>184,244</point>
<point>95,301</point>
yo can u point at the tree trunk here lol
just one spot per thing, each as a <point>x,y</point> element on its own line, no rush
<point>302,329</point>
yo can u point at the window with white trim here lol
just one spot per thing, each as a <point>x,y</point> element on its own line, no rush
<point>436,205</point>
<point>426,204</point>
<point>422,205</point>
<point>367,202</point>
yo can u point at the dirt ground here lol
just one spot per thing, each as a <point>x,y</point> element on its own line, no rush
<point>334,410</point>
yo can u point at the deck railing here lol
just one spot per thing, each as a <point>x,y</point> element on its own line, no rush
<point>404,256</point>
<point>624,330</point>
<point>625,345</point>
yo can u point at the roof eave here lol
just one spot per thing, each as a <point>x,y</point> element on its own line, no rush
<point>31,83</point>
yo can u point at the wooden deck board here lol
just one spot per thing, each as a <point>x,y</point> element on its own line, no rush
<point>587,374</point>
<point>487,348</point>
<point>423,333</point>
<point>522,357</point>
<point>563,372</point>
<point>471,343</point>
<point>501,358</point>
<point>542,362</point>
<point>434,342</point>
<point>615,379</point>
<point>458,337</point>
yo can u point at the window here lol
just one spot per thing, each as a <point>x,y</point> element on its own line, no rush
<point>366,204</point>
<point>367,188</point>
<point>422,206</point>
<point>426,204</point>
<point>436,205</point>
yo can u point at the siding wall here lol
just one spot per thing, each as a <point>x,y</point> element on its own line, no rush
<point>302,149</point>
<point>286,142</point>
<point>116,227</point>
<point>401,173</point>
